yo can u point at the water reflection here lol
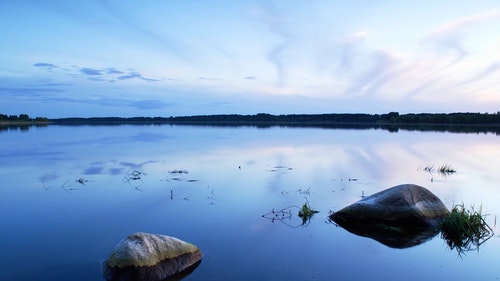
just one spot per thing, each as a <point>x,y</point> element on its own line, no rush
<point>392,128</point>
<point>292,216</point>
<point>390,236</point>
<point>235,175</point>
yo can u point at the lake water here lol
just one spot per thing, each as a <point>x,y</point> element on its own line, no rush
<point>69,194</point>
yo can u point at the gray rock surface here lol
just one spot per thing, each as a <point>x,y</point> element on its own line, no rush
<point>400,216</point>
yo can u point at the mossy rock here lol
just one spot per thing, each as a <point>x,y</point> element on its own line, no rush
<point>152,257</point>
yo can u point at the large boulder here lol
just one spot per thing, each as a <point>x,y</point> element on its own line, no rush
<point>401,216</point>
<point>151,257</point>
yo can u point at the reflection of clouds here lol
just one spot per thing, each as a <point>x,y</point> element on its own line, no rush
<point>322,160</point>
<point>137,165</point>
<point>116,171</point>
<point>110,167</point>
<point>93,171</point>
<point>49,177</point>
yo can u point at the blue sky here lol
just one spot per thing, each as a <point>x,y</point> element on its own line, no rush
<point>165,58</point>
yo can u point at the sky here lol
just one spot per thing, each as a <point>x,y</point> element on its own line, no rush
<point>152,58</point>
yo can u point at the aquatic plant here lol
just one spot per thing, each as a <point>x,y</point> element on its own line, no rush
<point>306,212</point>
<point>443,169</point>
<point>178,172</point>
<point>446,169</point>
<point>429,168</point>
<point>465,229</point>
<point>81,181</point>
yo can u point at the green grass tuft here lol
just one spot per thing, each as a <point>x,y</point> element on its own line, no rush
<point>465,229</point>
<point>306,212</point>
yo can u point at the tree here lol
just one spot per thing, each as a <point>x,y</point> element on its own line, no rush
<point>24,117</point>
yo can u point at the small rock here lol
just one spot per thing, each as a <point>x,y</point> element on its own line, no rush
<point>151,257</point>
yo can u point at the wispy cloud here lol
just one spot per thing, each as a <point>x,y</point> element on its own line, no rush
<point>90,71</point>
<point>149,104</point>
<point>205,78</point>
<point>382,70</point>
<point>108,74</point>
<point>27,91</point>
<point>45,65</point>
<point>133,75</point>
<point>112,70</point>
<point>277,55</point>
<point>349,47</point>
<point>450,36</point>
<point>485,73</point>
<point>130,20</point>
<point>462,24</point>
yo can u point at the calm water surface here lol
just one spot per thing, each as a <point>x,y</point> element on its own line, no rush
<point>56,228</point>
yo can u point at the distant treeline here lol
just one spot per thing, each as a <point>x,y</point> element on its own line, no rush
<point>392,121</point>
<point>21,118</point>
<point>393,118</point>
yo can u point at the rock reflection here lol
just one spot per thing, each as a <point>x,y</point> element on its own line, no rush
<point>389,235</point>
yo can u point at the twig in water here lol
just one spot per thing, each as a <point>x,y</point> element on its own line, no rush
<point>64,188</point>
<point>43,181</point>
<point>135,175</point>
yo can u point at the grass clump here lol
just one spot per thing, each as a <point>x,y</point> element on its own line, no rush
<point>306,212</point>
<point>447,169</point>
<point>465,229</point>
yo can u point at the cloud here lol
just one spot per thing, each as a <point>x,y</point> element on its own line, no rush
<point>462,24</point>
<point>276,57</point>
<point>107,74</point>
<point>52,84</point>
<point>381,71</point>
<point>97,79</point>
<point>129,19</point>
<point>90,71</point>
<point>148,104</point>
<point>45,65</point>
<point>112,70</point>
<point>450,36</point>
<point>275,23</point>
<point>28,91</point>
<point>251,77</point>
<point>349,48</point>
<point>133,74</point>
<point>487,72</point>
<point>202,78</point>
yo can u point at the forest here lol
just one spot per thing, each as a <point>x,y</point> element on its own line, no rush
<point>22,118</point>
<point>265,119</point>
<point>391,118</point>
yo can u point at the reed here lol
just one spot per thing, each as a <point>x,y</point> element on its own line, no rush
<point>465,229</point>
<point>446,169</point>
